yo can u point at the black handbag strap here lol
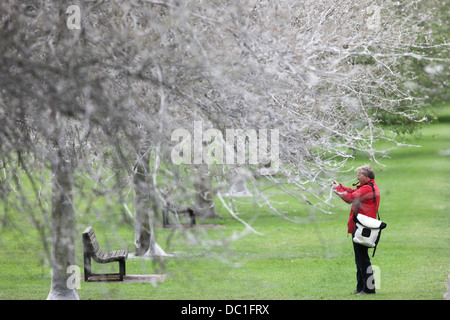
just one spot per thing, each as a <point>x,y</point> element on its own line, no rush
<point>378,213</point>
<point>374,198</point>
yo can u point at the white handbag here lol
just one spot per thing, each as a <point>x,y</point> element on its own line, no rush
<point>367,230</point>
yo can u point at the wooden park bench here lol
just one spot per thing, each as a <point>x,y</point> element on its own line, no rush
<point>176,212</point>
<point>92,250</point>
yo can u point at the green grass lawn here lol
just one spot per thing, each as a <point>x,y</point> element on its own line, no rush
<point>309,260</point>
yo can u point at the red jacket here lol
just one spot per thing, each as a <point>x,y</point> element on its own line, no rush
<point>363,195</point>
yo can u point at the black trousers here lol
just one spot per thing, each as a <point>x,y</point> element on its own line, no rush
<point>364,272</point>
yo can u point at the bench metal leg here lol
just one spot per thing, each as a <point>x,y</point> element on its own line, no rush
<point>192,216</point>
<point>121,269</point>
<point>87,267</point>
<point>165,216</point>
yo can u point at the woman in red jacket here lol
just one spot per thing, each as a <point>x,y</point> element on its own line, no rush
<point>363,201</point>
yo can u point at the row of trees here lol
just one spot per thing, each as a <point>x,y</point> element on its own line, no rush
<point>100,103</point>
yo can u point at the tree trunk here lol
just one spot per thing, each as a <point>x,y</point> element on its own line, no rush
<point>238,183</point>
<point>145,208</point>
<point>63,230</point>
<point>204,194</point>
